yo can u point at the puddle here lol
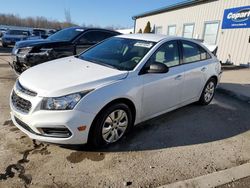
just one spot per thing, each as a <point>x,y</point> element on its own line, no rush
<point>43,151</point>
<point>8,122</point>
<point>22,137</point>
<point>14,129</point>
<point>19,167</point>
<point>77,157</point>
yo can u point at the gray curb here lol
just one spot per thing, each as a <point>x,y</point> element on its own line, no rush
<point>233,94</point>
<point>214,179</point>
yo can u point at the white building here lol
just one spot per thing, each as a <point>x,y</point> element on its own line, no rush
<point>222,22</point>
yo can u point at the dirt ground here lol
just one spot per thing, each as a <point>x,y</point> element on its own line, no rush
<point>189,142</point>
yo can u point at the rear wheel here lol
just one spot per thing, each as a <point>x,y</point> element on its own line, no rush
<point>111,125</point>
<point>208,92</point>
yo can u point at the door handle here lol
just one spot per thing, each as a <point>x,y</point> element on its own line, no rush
<point>179,77</point>
<point>203,69</point>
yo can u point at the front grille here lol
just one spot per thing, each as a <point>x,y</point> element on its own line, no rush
<point>22,89</point>
<point>20,103</point>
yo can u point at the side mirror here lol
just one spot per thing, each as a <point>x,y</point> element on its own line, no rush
<point>157,68</point>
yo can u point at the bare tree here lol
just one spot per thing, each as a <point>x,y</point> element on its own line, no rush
<point>42,22</point>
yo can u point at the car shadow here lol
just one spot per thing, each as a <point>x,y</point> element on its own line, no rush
<point>190,125</point>
<point>240,91</point>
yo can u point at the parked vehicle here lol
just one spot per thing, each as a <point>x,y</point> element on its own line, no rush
<point>67,42</point>
<point>14,35</point>
<point>52,31</point>
<point>98,96</point>
<point>39,34</point>
<point>2,32</point>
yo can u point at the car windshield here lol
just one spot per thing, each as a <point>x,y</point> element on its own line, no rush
<point>17,32</point>
<point>66,34</point>
<point>118,53</point>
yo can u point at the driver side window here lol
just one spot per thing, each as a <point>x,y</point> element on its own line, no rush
<point>167,54</point>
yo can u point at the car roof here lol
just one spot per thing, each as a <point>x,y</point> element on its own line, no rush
<point>148,37</point>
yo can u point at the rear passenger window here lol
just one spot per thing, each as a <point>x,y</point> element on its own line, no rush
<point>193,52</point>
<point>204,54</point>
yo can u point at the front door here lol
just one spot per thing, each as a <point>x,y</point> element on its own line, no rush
<point>163,91</point>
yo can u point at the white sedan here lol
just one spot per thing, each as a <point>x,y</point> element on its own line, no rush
<point>99,95</point>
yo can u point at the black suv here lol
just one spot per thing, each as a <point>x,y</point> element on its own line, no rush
<point>67,42</point>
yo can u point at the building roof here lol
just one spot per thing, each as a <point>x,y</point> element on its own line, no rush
<point>172,7</point>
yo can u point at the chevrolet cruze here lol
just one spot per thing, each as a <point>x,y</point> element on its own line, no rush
<point>99,95</point>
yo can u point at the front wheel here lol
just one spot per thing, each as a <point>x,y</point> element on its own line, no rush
<point>208,92</point>
<point>111,125</point>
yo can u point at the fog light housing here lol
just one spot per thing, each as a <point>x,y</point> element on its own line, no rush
<point>59,132</point>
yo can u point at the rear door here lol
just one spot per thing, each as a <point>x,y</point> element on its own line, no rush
<point>163,91</point>
<point>195,64</point>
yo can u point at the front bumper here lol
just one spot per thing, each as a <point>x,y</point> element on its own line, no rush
<point>20,63</point>
<point>39,119</point>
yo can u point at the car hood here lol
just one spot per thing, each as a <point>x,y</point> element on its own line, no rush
<point>38,42</point>
<point>68,75</point>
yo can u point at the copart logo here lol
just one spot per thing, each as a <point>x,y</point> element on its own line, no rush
<point>240,16</point>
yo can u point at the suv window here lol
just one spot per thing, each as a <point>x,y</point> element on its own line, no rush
<point>193,52</point>
<point>168,54</point>
<point>93,37</point>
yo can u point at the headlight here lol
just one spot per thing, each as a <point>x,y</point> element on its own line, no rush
<point>24,51</point>
<point>67,102</point>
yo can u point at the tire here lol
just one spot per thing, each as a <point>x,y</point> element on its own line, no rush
<point>108,128</point>
<point>208,92</point>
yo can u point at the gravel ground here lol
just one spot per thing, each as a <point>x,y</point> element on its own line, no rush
<point>186,143</point>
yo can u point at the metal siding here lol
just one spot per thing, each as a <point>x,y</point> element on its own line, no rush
<point>229,41</point>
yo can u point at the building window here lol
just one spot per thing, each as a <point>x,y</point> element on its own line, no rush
<point>158,30</point>
<point>210,32</point>
<point>172,30</point>
<point>188,30</point>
